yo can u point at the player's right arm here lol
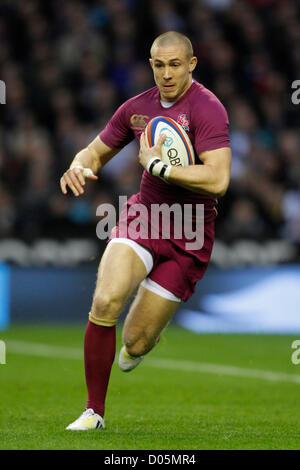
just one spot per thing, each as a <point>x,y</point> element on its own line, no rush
<point>92,157</point>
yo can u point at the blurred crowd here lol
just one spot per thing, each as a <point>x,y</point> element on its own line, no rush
<point>68,65</point>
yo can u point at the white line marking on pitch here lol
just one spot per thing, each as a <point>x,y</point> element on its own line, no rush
<point>43,350</point>
<point>62,352</point>
<point>206,367</point>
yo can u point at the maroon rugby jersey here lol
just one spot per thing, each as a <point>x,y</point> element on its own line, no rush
<point>202,116</point>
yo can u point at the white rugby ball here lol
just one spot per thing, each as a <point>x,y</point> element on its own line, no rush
<point>177,149</point>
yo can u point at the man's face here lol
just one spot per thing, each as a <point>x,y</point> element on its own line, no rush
<point>172,71</point>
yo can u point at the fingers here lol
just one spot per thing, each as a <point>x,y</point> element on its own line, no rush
<point>63,185</point>
<point>79,173</point>
<point>146,153</point>
<point>161,140</point>
<point>92,177</point>
<point>142,141</point>
<point>74,179</point>
<point>73,184</point>
<point>87,173</point>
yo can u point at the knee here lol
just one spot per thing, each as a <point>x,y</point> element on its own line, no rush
<point>138,344</point>
<point>106,308</point>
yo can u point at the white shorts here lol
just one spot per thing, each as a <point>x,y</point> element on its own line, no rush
<point>147,259</point>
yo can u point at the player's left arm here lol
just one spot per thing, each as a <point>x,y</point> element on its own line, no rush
<point>211,178</point>
<point>211,140</point>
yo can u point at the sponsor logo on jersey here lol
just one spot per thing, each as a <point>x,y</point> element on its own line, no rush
<point>138,121</point>
<point>183,121</point>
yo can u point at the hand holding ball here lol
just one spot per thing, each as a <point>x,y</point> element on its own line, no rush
<point>177,149</point>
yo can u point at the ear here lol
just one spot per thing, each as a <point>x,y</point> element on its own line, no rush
<point>151,63</point>
<point>193,63</point>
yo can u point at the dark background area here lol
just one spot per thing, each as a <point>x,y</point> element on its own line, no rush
<point>68,65</point>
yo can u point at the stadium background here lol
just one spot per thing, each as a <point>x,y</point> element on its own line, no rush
<point>67,66</point>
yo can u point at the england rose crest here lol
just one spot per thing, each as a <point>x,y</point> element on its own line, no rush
<point>183,121</point>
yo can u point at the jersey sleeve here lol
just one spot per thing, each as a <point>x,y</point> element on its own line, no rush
<point>117,132</point>
<point>211,126</point>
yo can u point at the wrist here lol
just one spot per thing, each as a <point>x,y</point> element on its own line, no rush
<point>158,168</point>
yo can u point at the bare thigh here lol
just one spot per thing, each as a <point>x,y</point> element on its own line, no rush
<point>149,314</point>
<point>120,272</point>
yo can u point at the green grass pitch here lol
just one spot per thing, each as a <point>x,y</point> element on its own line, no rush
<point>160,405</point>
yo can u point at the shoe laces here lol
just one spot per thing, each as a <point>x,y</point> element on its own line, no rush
<point>88,412</point>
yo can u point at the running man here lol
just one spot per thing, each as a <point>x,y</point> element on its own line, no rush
<point>162,271</point>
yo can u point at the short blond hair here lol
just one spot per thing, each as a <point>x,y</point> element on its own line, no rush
<point>173,37</point>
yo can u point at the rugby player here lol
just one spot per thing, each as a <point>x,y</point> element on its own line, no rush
<point>162,271</point>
